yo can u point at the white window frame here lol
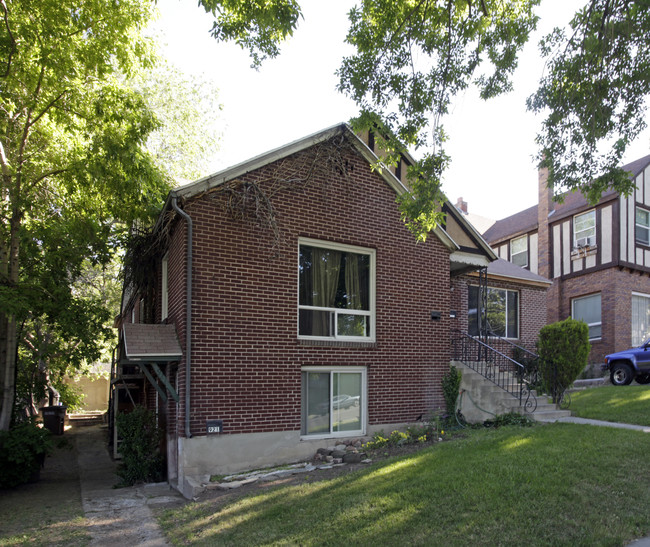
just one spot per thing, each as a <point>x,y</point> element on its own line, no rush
<point>363,406</point>
<point>595,323</point>
<point>589,232</point>
<point>638,226</point>
<point>371,289</point>
<point>644,336</point>
<point>523,252</point>
<point>164,292</point>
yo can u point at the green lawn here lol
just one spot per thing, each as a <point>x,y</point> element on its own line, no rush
<point>560,484</point>
<point>625,404</point>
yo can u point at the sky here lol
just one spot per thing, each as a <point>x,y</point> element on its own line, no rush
<point>491,143</point>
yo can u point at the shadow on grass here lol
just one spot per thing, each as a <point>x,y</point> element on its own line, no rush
<point>542,485</point>
<point>47,512</point>
<point>624,404</point>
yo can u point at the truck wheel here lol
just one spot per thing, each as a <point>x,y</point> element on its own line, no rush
<point>643,378</point>
<point>621,374</point>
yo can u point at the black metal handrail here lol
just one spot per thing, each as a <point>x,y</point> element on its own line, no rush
<point>514,347</point>
<point>505,372</point>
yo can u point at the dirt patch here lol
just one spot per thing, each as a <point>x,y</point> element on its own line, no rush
<point>318,475</point>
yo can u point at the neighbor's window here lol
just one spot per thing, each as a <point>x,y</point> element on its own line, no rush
<point>333,401</point>
<point>519,251</point>
<point>502,312</point>
<point>584,229</point>
<point>336,292</point>
<point>642,226</point>
<point>640,318</point>
<point>587,308</point>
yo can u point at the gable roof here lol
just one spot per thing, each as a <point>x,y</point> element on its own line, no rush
<point>526,220</point>
<point>211,181</point>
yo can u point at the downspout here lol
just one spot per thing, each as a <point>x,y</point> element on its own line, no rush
<point>188,315</point>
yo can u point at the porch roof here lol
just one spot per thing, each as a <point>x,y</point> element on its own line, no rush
<point>151,343</point>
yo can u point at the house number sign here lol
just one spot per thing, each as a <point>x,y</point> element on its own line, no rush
<point>214,427</point>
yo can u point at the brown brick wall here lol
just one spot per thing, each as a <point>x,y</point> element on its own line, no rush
<point>246,358</point>
<point>615,286</point>
<point>532,306</point>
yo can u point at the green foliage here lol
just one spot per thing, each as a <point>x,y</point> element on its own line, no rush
<point>140,447</point>
<point>563,349</point>
<point>22,452</point>
<point>70,396</point>
<point>256,25</point>
<point>594,95</point>
<point>75,174</point>
<point>450,388</point>
<point>411,59</point>
<point>511,418</point>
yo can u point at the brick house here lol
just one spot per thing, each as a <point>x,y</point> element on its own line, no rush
<point>598,257</point>
<point>309,313</point>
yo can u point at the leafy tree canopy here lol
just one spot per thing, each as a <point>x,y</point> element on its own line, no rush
<point>413,56</point>
<point>76,173</point>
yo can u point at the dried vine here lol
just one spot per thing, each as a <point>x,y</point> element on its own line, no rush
<point>253,200</point>
<point>144,248</point>
<point>249,200</point>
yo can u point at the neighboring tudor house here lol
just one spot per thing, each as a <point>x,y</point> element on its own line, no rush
<point>597,256</point>
<point>310,312</point>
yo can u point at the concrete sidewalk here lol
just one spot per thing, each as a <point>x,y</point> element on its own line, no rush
<point>117,516</point>
<point>601,423</point>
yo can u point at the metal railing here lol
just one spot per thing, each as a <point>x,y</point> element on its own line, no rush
<point>504,371</point>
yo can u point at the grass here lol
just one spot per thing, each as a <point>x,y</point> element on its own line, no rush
<point>47,512</point>
<point>625,404</point>
<point>560,484</point>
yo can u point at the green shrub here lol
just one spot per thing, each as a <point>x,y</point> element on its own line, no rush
<point>22,452</point>
<point>563,349</point>
<point>140,447</point>
<point>450,388</point>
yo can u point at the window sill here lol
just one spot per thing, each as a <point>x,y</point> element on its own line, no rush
<point>584,252</point>
<point>336,343</point>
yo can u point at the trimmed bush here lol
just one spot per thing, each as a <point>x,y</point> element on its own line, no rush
<point>22,453</point>
<point>140,447</point>
<point>563,349</point>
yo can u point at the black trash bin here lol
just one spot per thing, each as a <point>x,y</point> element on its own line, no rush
<point>54,418</point>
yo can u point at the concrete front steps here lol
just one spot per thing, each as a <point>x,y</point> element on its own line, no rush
<point>482,399</point>
<point>84,419</point>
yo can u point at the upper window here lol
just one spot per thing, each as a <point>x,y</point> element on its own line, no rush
<point>642,226</point>
<point>502,312</point>
<point>587,308</point>
<point>336,292</point>
<point>519,251</point>
<point>584,229</point>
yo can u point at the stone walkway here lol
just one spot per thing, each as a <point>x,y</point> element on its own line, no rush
<point>117,516</point>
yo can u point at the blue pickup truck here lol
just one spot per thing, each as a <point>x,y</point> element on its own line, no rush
<point>628,365</point>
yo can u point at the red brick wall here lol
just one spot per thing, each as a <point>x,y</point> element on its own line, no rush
<point>532,306</point>
<point>615,287</point>
<point>246,358</point>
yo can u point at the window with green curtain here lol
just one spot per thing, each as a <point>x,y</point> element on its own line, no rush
<point>334,293</point>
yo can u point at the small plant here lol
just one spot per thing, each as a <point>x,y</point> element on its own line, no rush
<point>22,453</point>
<point>511,418</point>
<point>140,447</point>
<point>450,388</point>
